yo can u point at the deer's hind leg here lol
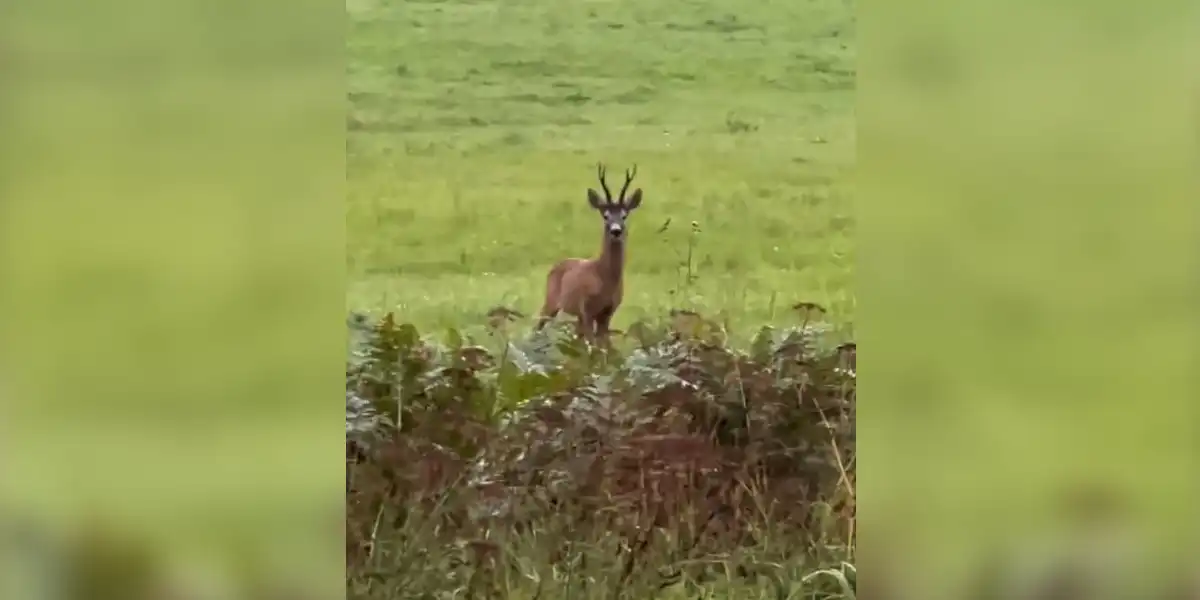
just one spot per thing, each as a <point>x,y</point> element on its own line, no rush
<point>551,307</point>
<point>547,314</point>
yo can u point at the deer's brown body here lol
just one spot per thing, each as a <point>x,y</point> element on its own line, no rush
<point>590,289</point>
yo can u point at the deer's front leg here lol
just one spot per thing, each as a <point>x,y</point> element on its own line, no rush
<point>585,327</point>
<point>603,319</point>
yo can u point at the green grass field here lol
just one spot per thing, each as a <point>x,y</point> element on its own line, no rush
<point>474,128</point>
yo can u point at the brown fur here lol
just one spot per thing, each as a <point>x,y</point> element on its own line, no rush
<point>591,289</point>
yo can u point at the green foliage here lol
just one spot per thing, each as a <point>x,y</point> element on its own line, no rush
<point>670,464</point>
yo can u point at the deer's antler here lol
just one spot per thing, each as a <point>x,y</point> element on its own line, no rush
<point>600,173</point>
<point>629,175</point>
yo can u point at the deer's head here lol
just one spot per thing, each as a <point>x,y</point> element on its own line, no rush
<point>615,212</point>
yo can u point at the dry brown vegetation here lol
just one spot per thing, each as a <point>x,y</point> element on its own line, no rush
<point>674,465</point>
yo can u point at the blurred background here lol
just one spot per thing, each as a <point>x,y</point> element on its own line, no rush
<point>170,253</point>
<point>1028,278</point>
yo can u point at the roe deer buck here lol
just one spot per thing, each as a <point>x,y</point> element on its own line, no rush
<point>590,289</point>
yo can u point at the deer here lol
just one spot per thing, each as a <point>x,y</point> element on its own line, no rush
<point>590,289</point>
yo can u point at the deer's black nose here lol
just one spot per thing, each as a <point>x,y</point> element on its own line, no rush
<point>616,230</point>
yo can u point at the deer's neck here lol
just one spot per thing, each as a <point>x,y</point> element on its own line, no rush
<point>612,260</point>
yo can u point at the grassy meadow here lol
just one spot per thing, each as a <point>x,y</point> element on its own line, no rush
<point>474,129</point>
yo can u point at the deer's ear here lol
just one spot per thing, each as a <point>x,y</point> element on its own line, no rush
<point>594,199</point>
<point>635,199</point>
